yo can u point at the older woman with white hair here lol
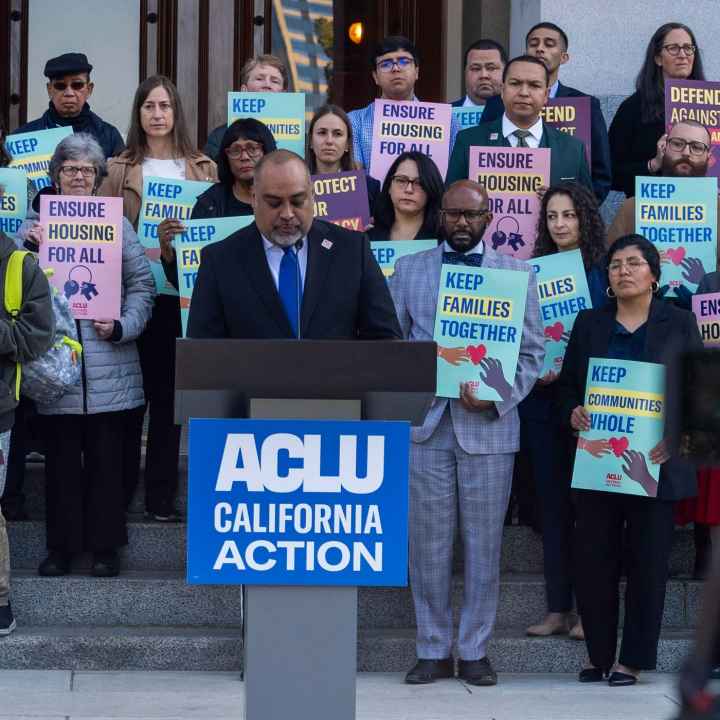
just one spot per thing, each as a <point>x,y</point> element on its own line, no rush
<point>84,458</point>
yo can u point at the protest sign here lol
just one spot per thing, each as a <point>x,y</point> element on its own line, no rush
<point>83,247</point>
<point>13,200</point>
<point>707,313</point>
<point>32,152</point>
<point>626,402</point>
<point>342,198</point>
<point>563,292</point>
<point>512,177</point>
<point>400,127</point>
<point>388,252</point>
<point>163,198</point>
<point>468,116</point>
<point>188,249</point>
<point>700,101</point>
<point>298,502</point>
<point>571,115</point>
<point>478,329</point>
<point>679,216</point>
<point>283,113</point>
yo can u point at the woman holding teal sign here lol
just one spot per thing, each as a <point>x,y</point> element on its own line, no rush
<point>614,529</point>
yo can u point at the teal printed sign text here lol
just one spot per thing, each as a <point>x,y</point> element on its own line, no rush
<point>388,252</point>
<point>468,116</point>
<point>13,201</point>
<point>32,152</point>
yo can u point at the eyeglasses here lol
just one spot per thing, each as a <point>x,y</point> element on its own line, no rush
<point>252,151</point>
<point>401,63</point>
<point>633,265</point>
<point>453,215</point>
<point>403,181</point>
<point>674,49</point>
<point>76,85</point>
<point>71,171</point>
<point>696,147</point>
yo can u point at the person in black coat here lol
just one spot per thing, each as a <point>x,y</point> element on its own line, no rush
<point>636,326</point>
<point>287,275</point>
<point>637,132</point>
<point>69,86</point>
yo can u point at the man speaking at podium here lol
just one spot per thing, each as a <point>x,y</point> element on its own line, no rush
<point>288,275</point>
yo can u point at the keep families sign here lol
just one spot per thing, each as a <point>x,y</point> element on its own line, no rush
<point>707,313</point>
<point>32,152</point>
<point>83,247</point>
<point>563,292</point>
<point>697,100</point>
<point>298,502</point>
<point>679,216</point>
<point>188,250</point>
<point>478,329</point>
<point>162,199</point>
<point>571,115</point>
<point>512,178</point>
<point>13,200</point>
<point>626,402</point>
<point>283,113</point>
<point>388,252</point>
<point>342,198</point>
<point>400,127</point>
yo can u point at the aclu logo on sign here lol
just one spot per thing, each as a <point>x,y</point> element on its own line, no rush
<point>288,502</point>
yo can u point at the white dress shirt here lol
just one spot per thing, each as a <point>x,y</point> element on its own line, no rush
<point>274,254</point>
<point>469,103</point>
<point>533,139</point>
<point>554,88</point>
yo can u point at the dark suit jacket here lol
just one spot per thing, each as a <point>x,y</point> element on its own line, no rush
<point>710,283</point>
<point>670,332</point>
<point>459,102</point>
<point>567,161</point>
<point>599,142</point>
<point>345,295</point>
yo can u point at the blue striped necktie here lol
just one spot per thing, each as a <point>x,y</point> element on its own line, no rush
<point>290,288</point>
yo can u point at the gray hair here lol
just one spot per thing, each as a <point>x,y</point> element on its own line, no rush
<point>82,147</point>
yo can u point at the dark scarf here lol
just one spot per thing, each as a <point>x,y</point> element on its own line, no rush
<point>80,123</point>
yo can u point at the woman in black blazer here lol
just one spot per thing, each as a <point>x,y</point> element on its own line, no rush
<point>635,326</point>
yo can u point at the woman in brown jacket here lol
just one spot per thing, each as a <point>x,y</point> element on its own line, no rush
<point>158,145</point>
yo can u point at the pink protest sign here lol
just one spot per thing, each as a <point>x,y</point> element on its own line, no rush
<point>400,127</point>
<point>82,245</point>
<point>512,177</point>
<point>707,313</point>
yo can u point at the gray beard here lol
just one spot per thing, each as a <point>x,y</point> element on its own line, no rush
<point>284,241</point>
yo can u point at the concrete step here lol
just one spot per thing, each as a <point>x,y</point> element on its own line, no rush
<point>164,598</point>
<point>220,649</point>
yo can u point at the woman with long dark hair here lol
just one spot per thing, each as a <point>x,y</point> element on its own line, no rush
<point>637,132</point>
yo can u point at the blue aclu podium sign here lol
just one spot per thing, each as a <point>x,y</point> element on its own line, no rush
<point>298,502</point>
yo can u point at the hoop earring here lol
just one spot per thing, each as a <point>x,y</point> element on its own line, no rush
<point>609,292</point>
<point>654,287</point>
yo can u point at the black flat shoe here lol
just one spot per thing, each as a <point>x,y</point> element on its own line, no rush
<point>592,674</point>
<point>477,672</point>
<point>425,672</point>
<point>621,679</point>
<point>56,564</point>
<point>105,565</point>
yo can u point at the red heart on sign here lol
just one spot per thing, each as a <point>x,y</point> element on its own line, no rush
<point>555,331</point>
<point>476,353</point>
<point>619,445</point>
<point>676,255</point>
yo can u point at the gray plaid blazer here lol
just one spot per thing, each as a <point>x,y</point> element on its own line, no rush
<point>414,287</point>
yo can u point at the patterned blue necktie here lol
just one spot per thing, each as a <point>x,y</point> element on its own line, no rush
<point>290,288</point>
<point>456,258</point>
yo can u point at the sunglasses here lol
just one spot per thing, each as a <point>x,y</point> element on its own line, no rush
<point>76,85</point>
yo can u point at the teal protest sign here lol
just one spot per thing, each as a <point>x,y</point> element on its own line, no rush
<point>283,113</point>
<point>468,116</point>
<point>13,201</point>
<point>626,402</point>
<point>162,199</point>
<point>563,292</point>
<point>32,152</point>
<point>388,252</point>
<point>478,328</point>
<point>188,248</point>
<point>679,216</point>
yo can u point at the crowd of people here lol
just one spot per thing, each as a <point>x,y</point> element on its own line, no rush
<point>271,280</point>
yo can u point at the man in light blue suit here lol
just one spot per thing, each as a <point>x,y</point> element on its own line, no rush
<point>461,459</point>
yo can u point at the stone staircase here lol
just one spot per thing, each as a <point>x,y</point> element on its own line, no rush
<point>149,618</point>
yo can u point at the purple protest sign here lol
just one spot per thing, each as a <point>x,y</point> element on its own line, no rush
<point>512,177</point>
<point>342,198</point>
<point>571,115</point>
<point>400,127</point>
<point>700,101</point>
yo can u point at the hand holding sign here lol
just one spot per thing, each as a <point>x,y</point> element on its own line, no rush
<point>167,230</point>
<point>580,419</point>
<point>470,402</point>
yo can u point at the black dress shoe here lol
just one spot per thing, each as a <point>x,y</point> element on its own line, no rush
<point>105,564</point>
<point>621,679</point>
<point>477,672</point>
<point>715,673</point>
<point>592,674</point>
<point>55,564</point>
<point>428,671</point>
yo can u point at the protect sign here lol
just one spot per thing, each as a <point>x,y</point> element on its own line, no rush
<point>298,502</point>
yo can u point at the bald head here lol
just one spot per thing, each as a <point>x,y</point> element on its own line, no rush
<point>466,188</point>
<point>465,215</point>
<point>279,159</point>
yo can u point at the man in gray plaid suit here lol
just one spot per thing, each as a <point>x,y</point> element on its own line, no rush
<point>461,459</point>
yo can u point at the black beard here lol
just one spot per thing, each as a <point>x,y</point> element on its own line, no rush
<point>462,246</point>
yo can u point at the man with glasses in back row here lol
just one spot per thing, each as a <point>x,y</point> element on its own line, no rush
<point>69,87</point>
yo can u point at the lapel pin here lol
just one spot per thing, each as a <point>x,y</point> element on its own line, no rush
<point>326,244</point>
<point>493,136</point>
